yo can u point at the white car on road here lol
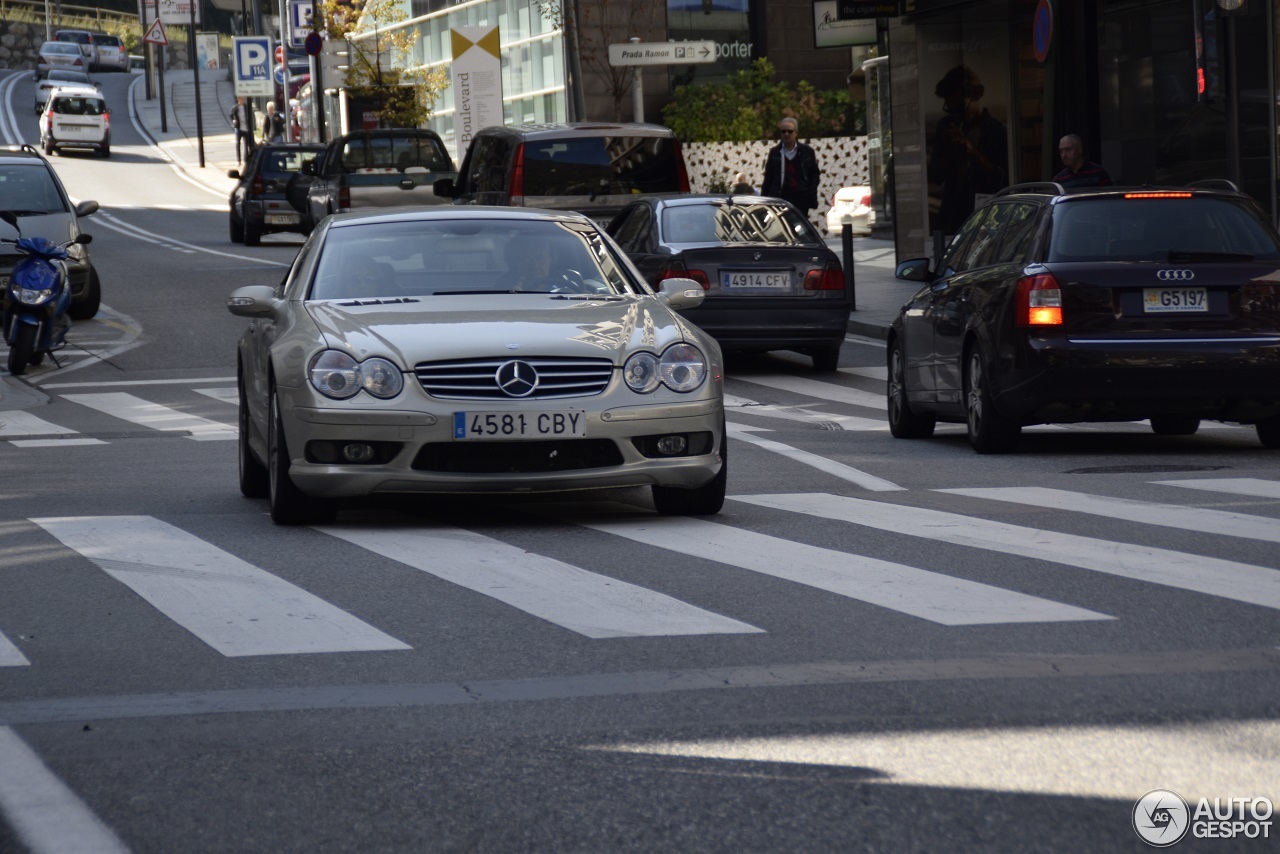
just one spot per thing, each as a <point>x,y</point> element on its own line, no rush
<point>76,118</point>
<point>856,203</point>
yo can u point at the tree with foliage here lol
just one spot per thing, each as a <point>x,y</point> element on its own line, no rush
<point>749,103</point>
<point>380,48</point>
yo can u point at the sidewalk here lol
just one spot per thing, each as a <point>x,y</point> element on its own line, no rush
<point>877,294</point>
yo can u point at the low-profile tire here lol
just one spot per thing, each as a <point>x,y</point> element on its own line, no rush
<point>989,431</point>
<point>903,422</point>
<point>237,229</point>
<point>255,481</point>
<point>1269,431</point>
<point>252,234</point>
<point>22,348</point>
<point>288,504</point>
<point>825,359</point>
<point>1174,425</point>
<point>88,307</point>
<point>705,500</point>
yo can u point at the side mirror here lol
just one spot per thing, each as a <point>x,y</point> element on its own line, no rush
<point>88,206</point>
<point>252,301</point>
<point>680,294</point>
<point>233,173</point>
<point>915,270</point>
<point>445,188</point>
<point>83,239</point>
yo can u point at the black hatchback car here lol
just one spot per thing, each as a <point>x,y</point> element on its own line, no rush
<point>258,203</point>
<point>772,282</point>
<point>1100,304</point>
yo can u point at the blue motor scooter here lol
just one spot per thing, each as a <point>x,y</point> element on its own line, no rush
<point>36,298</point>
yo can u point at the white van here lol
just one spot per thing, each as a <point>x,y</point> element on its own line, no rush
<point>76,118</point>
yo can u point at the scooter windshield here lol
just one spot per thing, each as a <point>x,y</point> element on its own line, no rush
<point>41,247</point>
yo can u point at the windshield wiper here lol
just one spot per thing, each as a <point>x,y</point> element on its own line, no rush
<point>1190,255</point>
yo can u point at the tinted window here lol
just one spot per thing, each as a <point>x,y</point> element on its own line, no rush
<point>29,189</point>
<point>986,239</point>
<point>632,232</point>
<point>399,152</point>
<point>106,41</point>
<point>1149,229</point>
<point>766,222</point>
<point>285,160</point>
<point>72,106</point>
<point>1019,231</point>
<point>608,165</point>
<point>489,165</point>
<point>954,258</point>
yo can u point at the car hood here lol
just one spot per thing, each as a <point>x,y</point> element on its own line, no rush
<point>474,327</point>
<point>56,228</point>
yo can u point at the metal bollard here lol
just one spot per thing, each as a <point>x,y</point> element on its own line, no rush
<point>846,245</point>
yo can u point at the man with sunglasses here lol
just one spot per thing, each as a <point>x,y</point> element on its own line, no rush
<point>791,169</point>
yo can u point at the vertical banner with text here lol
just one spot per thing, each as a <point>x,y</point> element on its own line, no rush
<point>477,83</point>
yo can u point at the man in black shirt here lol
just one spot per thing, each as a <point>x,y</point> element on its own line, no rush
<point>1078,172</point>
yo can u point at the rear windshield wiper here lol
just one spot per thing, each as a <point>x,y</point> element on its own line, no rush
<point>1185,255</point>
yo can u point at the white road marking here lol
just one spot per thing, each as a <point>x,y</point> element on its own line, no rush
<point>919,593</point>
<point>840,470</point>
<point>747,406</point>
<point>818,389</point>
<point>224,395</point>
<point>115,383</point>
<point>233,606</point>
<point>18,422</point>
<point>1254,486</point>
<point>46,816</point>
<point>1146,512</point>
<point>593,605</point>
<point>10,655</point>
<point>54,443</point>
<point>1255,585</point>
<point>154,416</point>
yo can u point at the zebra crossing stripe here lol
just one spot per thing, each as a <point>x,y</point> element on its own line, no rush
<point>840,470</point>
<point>10,655</point>
<point>747,406</point>
<point>20,423</point>
<point>1147,512</point>
<point>817,388</point>
<point>44,813</point>
<point>919,593</point>
<point>1254,486</point>
<point>593,605</point>
<point>233,606</point>
<point>1256,585</point>
<point>154,416</point>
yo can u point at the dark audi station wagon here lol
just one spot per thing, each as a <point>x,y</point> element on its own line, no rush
<point>1100,304</point>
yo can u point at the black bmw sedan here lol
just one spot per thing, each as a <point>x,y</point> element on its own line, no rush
<point>771,281</point>
<point>1101,304</point>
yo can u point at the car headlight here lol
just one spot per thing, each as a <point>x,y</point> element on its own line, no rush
<point>681,368</point>
<point>335,374</point>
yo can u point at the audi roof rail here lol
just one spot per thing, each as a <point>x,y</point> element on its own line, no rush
<point>1048,187</point>
<point>1215,184</point>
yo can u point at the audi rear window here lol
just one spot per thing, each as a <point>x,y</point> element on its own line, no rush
<point>1149,229</point>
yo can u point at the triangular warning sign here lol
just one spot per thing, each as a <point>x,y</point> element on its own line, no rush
<point>155,33</point>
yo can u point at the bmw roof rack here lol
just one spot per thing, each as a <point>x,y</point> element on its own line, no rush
<point>1032,187</point>
<point>1215,184</point>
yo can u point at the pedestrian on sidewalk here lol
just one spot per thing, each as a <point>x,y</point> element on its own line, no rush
<point>791,169</point>
<point>1077,171</point>
<point>242,119</point>
<point>273,124</point>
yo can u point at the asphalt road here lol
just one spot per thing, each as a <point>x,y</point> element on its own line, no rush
<point>879,645</point>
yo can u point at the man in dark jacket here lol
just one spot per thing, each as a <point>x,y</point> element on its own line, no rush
<point>791,169</point>
<point>242,119</point>
<point>1078,172</point>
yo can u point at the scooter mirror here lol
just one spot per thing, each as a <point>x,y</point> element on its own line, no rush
<point>83,239</point>
<point>9,217</point>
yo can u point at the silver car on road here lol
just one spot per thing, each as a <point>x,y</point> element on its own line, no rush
<point>477,350</point>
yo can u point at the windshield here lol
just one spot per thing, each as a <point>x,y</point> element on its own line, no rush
<point>1149,229</point>
<point>29,190</point>
<point>467,257</point>
<point>720,222</point>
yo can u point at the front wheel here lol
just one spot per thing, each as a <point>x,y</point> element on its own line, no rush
<point>903,422</point>
<point>255,482</point>
<point>252,233</point>
<point>237,229</point>
<point>989,431</point>
<point>21,349</point>
<point>705,500</point>
<point>288,504</point>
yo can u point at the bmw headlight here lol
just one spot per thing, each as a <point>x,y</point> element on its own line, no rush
<point>335,374</point>
<point>681,368</point>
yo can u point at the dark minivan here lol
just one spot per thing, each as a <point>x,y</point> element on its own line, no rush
<point>592,167</point>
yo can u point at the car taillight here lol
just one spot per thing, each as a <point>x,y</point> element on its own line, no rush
<point>677,270</point>
<point>517,177</point>
<point>829,278</point>
<point>683,174</point>
<point>106,120</point>
<point>344,198</point>
<point>258,187</point>
<point>77,61</point>
<point>866,199</point>
<point>1039,301</point>
<point>48,121</point>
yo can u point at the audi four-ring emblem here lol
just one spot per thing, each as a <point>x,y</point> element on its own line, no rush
<point>516,379</point>
<point>1175,275</point>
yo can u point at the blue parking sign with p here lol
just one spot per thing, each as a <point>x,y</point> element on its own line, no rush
<point>251,66</point>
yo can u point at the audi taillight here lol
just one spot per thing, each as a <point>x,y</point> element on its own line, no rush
<point>677,270</point>
<point>829,278</point>
<point>1039,301</point>
<point>517,177</point>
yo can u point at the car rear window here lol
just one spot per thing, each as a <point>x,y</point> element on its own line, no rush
<point>69,105</point>
<point>1148,229</point>
<point>609,165</point>
<point>78,38</point>
<point>766,222</point>
<point>107,41</point>
<point>29,190</point>
<point>63,47</point>
<point>398,152</point>
<point>286,160</point>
